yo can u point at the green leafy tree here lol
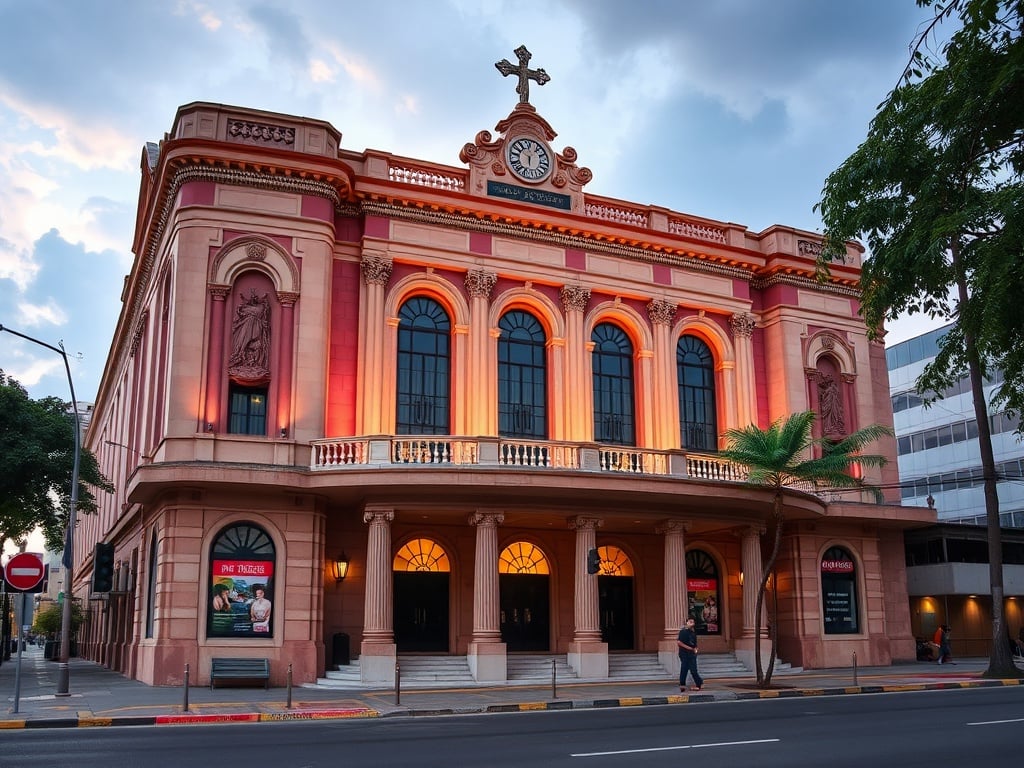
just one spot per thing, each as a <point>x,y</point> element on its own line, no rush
<point>48,620</point>
<point>37,443</point>
<point>937,193</point>
<point>787,455</point>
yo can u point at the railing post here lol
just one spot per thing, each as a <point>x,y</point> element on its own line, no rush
<point>289,704</point>
<point>184,707</point>
<point>554,684</point>
<point>854,667</point>
<point>398,683</point>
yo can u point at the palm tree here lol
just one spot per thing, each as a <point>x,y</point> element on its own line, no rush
<point>784,456</point>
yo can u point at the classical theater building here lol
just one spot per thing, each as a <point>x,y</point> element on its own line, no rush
<point>361,396</point>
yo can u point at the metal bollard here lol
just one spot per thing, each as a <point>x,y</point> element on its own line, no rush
<point>554,684</point>
<point>184,707</point>
<point>854,667</point>
<point>289,704</point>
<point>398,684</point>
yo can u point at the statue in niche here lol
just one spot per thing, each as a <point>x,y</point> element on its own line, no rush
<point>250,338</point>
<point>830,403</point>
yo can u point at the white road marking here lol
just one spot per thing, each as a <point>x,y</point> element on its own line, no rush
<point>668,749</point>
<point>999,722</point>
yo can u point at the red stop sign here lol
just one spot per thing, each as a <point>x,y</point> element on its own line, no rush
<point>24,571</point>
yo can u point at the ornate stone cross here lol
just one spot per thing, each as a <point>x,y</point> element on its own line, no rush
<point>524,72</point>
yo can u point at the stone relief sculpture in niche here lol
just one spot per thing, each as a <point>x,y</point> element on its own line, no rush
<point>830,403</point>
<point>250,339</point>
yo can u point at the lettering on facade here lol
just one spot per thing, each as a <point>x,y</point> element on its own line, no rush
<point>525,195</point>
<point>837,566</point>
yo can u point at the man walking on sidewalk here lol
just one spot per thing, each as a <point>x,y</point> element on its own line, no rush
<point>687,642</point>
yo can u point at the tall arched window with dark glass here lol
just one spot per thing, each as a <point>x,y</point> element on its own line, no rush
<point>241,585</point>
<point>695,370</point>
<point>522,377</point>
<point>839,592</point>
<point>424,368</point>
<point>614,420</point>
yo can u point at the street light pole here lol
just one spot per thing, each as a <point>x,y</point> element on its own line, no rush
<point>63,667</point>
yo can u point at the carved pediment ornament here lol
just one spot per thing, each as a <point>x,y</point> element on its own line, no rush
<point>376,269</point>
<point>661,312</point>
<point>256,251</point>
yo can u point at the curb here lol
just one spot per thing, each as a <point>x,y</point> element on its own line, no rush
<point>86,719</point>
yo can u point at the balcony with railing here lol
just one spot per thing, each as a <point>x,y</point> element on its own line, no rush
<point>517,454</point>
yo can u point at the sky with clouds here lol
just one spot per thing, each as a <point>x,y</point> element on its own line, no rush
<point>735,110</point>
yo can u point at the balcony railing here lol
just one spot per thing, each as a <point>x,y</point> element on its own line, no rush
<point>440,451</point>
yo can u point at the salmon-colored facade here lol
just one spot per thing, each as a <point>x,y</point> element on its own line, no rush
<point>459,381</point>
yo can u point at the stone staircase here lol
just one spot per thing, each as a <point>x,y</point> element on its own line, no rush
<point>533,669</point>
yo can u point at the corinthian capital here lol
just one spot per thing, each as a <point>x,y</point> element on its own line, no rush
<point>661,312</point>
<point>480,283</point>
<point>376,269</point>
<point>574,297</point>
<point>742,324</point>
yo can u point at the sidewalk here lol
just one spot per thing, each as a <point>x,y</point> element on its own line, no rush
<point>100,697</point>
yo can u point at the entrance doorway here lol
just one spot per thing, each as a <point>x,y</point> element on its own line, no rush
<point>421,612</point>
<point>421,573</point>
<point>524,586</point>
<point>616,608</point>
<point>524,612</point>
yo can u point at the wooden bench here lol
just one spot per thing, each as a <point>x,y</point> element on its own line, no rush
<point>240,669</point>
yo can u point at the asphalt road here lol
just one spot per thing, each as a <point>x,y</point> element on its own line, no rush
<point>963,728</point>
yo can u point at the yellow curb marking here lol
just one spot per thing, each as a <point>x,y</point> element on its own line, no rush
<point>11,724</point>
<point>532,706</point>
<point>812,691</point>
<point>87,721</point>
<point>769,694</point>
<point>631,701</point>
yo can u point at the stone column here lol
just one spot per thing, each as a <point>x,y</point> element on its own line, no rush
<point>284,427</point>
<point>746,394</point>
<point>378,652</point>
<point>376,270</point>
<point>752,569</point>
<point>675,599</point>
<point>665,402</point>
<point>215,360</point>
<point>479,284</point>
<point>486,657</point>
<point>578,428</point>
<point>587,654</point>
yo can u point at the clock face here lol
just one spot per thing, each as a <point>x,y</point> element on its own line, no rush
<point>528,159</point>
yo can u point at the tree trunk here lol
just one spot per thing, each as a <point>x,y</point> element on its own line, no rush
<point>764,679</point>
<point>1000,661</point>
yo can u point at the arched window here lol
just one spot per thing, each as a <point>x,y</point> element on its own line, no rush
<point>424,369</point>
<point>422,555</point>
<point>839,592</point>
<point>613,386</point>
<point>614,562</point>
<point>702,592</point>
<point>523,557</point>
<point>522,377</point>
<point>695,370</point>
<point>241,589</point>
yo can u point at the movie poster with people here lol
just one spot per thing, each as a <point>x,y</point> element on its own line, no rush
<point>703,605</point>
<point>241,598</point>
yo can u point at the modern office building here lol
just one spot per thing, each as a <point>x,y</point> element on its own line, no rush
<point>940,466</point>
<point>937,444</point>
<point>363,396</point>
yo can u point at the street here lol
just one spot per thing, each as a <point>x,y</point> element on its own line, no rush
<point>978,726</point>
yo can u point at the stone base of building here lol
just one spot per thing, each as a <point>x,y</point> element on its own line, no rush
<point>668,655</point>
<point>744,650</point>
<point>377,663</point>
<point>488,662</point>
<point>588,659</point>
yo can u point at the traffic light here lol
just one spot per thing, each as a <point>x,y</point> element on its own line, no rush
<point>593,561</point>
<point>103,567</point>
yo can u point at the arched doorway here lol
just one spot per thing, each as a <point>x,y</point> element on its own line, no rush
<point>421,570</point>
<point>615,590</point>
<point>523,579</point>
<point>702,592</point>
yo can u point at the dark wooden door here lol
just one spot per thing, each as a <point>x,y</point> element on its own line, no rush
<point>525,620</point>
<point>421,612</point>
<point>616,608</point>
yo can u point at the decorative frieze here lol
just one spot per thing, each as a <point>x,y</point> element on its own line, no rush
<point>246,130</point>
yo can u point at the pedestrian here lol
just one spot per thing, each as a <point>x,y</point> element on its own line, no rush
<point>687,642</point>
<point>945,649</point>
